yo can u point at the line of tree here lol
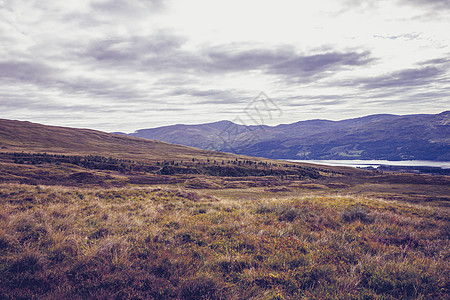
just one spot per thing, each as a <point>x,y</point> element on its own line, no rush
<point>88,161</point>
<point>226,168</point>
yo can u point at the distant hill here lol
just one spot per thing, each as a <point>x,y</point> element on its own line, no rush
<point>390,137</point>
<point>38,154</point>
<point>18,136</point>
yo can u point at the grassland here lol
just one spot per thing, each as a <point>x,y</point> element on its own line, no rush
<point>165,242</point>
<point>81,225</point>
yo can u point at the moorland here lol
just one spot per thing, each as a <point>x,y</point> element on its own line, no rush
<point>88,215</point>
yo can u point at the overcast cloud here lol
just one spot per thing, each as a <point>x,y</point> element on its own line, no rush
<point>117,65</point>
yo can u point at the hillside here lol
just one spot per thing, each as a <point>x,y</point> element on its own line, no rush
<point>31,137</point>
<point>390,137</point>
<point>39,154</point>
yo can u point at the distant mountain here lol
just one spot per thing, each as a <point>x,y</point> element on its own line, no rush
<point>390,137</point>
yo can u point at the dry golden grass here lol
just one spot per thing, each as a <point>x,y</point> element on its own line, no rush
<point>166,242</point>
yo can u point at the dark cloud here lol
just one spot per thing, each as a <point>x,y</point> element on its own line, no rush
<point>158,52</point>
<point>433,4</point>
<point>198,93</point>
<point>45,77</point>
<point>280,61</point>
<point>315,97</point>
<point>23,103</point>
<point>307,66</point>
<point>406,36</point>
<point>128,8</point>
<point>131,50</point>
<point>24,71</point>
<point>109,14</point>
<point>27,103</point>
<point>410,99</point>
<point>106,89</point>
<point>226,59</point>
<point>318,102</point>
<point>212,96</point>
<point>370,4</point>
<point>33,84</point>
<point>164,52</point>
<point>404,78</point>
<point>404,96</point>
<point>436,61</point>
<point>428,82</point>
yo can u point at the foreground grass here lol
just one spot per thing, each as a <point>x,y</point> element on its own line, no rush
<point>169,242</point>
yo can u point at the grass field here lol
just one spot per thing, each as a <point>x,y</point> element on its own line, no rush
<point>167,242</point>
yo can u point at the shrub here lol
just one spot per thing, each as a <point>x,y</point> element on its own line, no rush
<point>29,229</point>
<point>264,209</point>
<point>201,288</point>
<point>29,261</point>
<point>66,249</point>
<point>288,214</point>
<point>4,241</point>
<point>111,249</point>
<point>358,213</point>
<point>285,212</point>
<point>226,265</point>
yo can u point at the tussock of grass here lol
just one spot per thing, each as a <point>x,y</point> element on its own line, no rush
<point>358,213</point>
<point>175,243</point>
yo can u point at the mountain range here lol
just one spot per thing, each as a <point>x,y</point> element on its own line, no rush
<point>383,136</point>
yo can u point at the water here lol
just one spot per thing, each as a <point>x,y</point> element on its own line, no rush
<point>377,163</point>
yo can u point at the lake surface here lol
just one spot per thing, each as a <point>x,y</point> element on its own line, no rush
<point>377,163</point>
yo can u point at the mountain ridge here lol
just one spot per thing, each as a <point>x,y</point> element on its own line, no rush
<point>380,136</point>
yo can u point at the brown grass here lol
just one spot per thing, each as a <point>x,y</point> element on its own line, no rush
<point>171,242</point>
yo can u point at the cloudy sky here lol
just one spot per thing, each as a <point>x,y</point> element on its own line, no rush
<point>122,65</point>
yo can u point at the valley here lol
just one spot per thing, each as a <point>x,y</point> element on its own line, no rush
<point>89,215</point>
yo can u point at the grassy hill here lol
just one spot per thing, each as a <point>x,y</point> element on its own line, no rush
<point>32,137</point>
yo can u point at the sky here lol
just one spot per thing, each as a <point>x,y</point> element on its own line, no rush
<point>116,65</point>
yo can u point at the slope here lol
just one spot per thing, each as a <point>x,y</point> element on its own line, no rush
<point>17,136</point>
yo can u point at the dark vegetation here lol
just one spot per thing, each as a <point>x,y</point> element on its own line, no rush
<point>89,161</point>
<point>415,169</point>
<point>228,168</point>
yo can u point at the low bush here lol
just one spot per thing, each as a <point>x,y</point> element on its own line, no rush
<point>358,213</point>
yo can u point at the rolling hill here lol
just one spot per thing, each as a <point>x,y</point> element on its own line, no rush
<point>39,154</point>
<point>391,137</point>
<point>17,136</point>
